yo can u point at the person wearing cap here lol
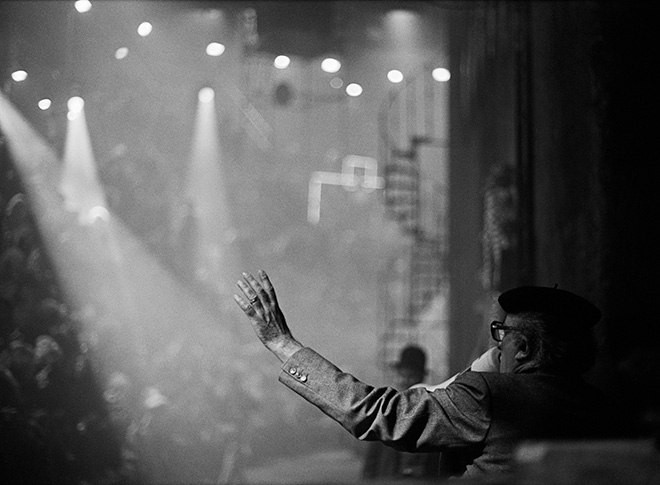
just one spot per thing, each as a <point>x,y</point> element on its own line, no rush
<point>381,461</point>
<point>533,392</point>
<point>410,369</point>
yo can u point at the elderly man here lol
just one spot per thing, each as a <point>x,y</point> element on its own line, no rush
<point>544,344</point>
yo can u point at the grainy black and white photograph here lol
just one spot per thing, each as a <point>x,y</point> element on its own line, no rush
<point>329,242</point>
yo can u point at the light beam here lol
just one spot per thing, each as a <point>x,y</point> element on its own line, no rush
<point>206,192</point>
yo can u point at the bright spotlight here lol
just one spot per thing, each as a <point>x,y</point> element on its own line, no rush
<point>395,76</point>
<point>19,75</point>
<point>206,95</point>
<point>75,104</point>
<point>354,89</point>
<point>282,62</point>
<point>330,65</point>
<point>441,74</point>
<point>404,27</point>
<point>215,49</point>
<point>44,104</point>
<point>97,213</point>
<point>121,53</point>
<point>83,5</point>
<point>144,29</point>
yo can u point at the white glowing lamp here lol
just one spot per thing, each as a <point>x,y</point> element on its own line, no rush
<point>19,75</point>
<point>215,49</point>
<point>144,29</point>
<point>121,53</point>
<point>282,62</point>
<point>354,89</point>
<point>330,65</point>
<point>97,213</point>
<point>395,76</point>
<point>83,6</point>
<point>206,95</point>
<point>75,104</point>
<point>441,74</point>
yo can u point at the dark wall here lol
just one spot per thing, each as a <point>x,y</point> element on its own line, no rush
<point>628,177</point>
<point>562,93</point>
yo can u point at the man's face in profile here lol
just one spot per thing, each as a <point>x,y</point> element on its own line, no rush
<point>508,347</point>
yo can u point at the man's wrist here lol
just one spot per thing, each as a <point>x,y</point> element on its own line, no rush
<point>285,350</point>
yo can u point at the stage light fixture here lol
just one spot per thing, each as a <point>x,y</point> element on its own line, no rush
<point>121,53</point>
<point>44,104</point>
<point>354,89</point>
<point>215,49</point>
<point>83,6</point>
<point>206,95</point>
<point>441,74</point>
<point>395,76</point>
<point>144,29</point>
<point>282,62</point>
<point>330,65</point>
<point>97,213</point>
<point>19,75</point>
<point>75,104</point>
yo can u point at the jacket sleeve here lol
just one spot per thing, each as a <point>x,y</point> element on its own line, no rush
<point>411,420</point>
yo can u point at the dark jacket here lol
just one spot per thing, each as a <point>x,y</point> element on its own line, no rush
<point>482,414</point>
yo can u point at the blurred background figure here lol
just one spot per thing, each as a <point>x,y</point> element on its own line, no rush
<point>185,237</point>
<point>381,461</point>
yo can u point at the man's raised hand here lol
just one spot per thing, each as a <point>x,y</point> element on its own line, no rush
<point>259,303</point>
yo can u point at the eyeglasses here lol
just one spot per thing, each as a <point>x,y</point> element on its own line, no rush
<point>497,330</point>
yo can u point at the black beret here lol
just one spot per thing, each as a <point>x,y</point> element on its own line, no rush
<point>553,301</point>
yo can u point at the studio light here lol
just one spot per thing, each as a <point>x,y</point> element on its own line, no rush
<point>97,213</point>
<point>215,49</point>
<point>282,62</point>
<point>83,6</point>
<point>75,104</point>
<point>19,75</point>
<point>144,29</point>
<point>121,53</point>
<point>441,74</point>
<point>354,89</point>
<point>395,76</point>
<point>206,95</point>
<point>330,65</point>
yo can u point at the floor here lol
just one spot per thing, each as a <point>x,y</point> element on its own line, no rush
<point>326,467</point>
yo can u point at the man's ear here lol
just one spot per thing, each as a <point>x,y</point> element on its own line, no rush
<point>522,349</point>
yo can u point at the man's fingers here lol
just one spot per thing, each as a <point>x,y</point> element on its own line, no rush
<point>268,287</point>
<point>244,305</point>
<point>247,291</point>
<point>256,288</point>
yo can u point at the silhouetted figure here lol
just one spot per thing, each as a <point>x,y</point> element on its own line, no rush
<point>185,242</point>
<point>381,461</point>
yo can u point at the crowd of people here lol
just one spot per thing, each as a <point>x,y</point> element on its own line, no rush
<point>78,403</point>
<point>54,424</point>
